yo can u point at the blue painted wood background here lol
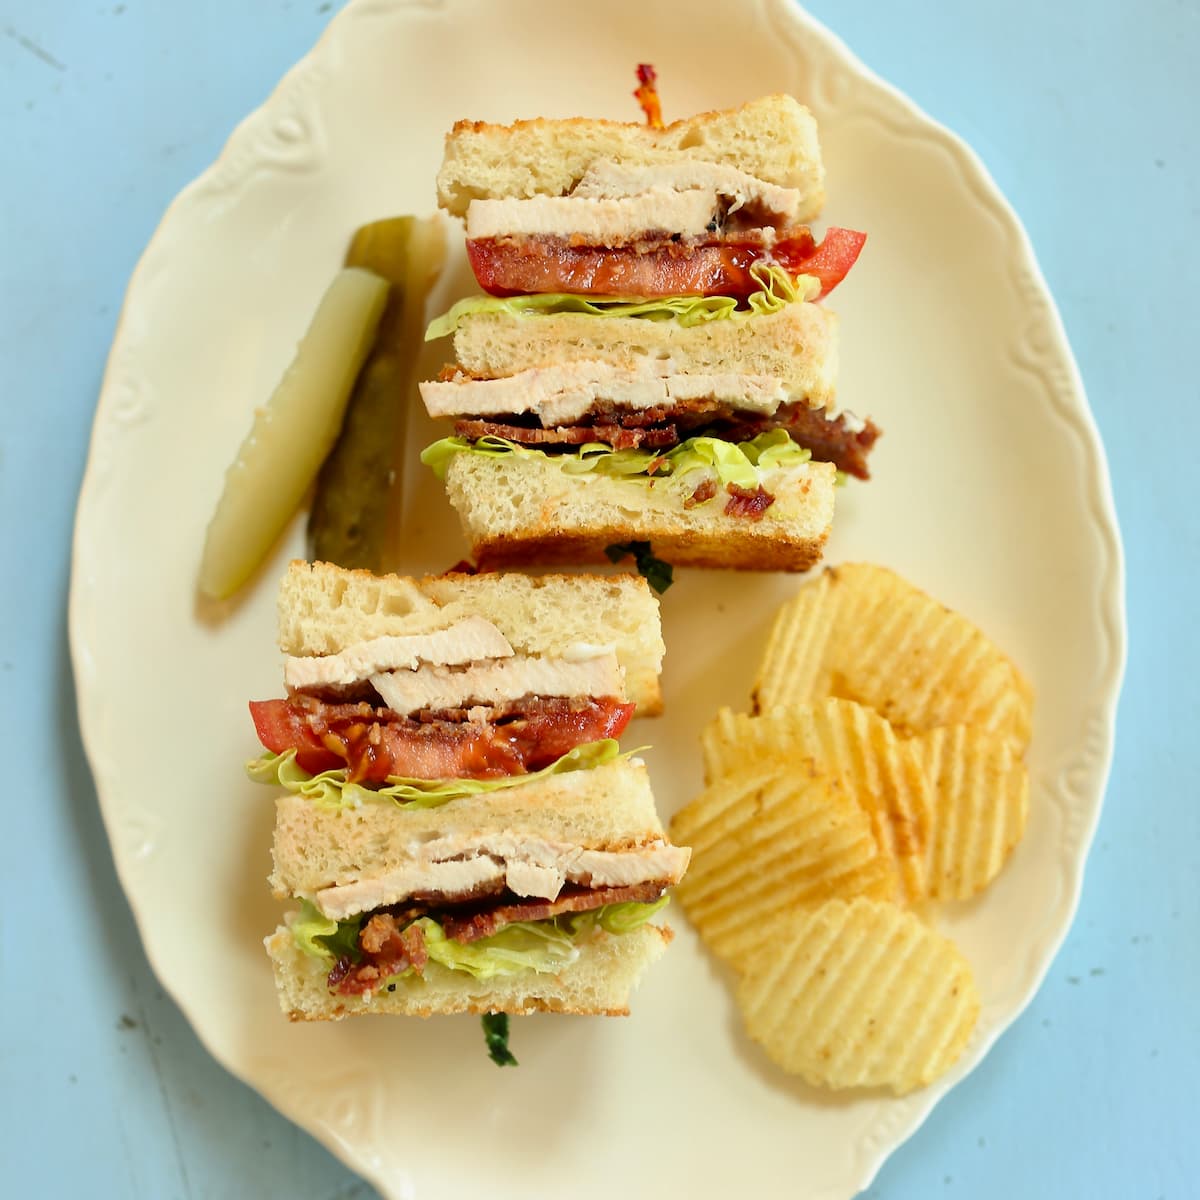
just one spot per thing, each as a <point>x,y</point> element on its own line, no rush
<point>1086,113</point>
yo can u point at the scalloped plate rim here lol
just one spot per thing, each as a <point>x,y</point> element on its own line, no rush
<point>1111,606</point>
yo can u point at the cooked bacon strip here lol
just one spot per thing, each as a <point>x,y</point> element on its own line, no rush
<point>743,502</point>
<point>469,928</point>
<point>686,414</point>
<point>705,490</point>
<point>375,743</point>
<point>571,435</point>
<point>390,943</point>
<point>646,95</point>
<point>830,440</point>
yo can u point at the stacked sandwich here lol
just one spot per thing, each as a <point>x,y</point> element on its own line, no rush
<point>650,363</point>
<point>458,825</point>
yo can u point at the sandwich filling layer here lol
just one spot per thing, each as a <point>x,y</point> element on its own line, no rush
<point>740,192</point>
<point>596,220</point>
<point>655,265</point>
<point>488,684</point>
<point>566,393</point>
<point>463,642</point>
<point>614,203</point>
<point>501,935</point>
<point>456,703</point>
<point>842,439</point>
<point>374,744</point>
<point>469,870</point>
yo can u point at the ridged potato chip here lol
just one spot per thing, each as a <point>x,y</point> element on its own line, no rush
<point>980,796</point>
<point>860,632</point>
<point>763,842</point>
<point>850,744</point>
<point>858,995</point>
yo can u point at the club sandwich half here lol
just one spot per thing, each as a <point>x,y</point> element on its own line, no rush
<point>650,362</point>
<point>457,823</point>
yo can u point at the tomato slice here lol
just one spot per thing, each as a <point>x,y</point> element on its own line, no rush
<point>540,265</point>
<point>830,261</point>
<point>327,737</point>
<point>282,727</point>
<point>521,266</point>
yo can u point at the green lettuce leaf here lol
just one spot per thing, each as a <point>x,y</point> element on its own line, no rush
<point>542,946</point>
<point>729,462</point>
<point>613,918</point>
<point>776,289</point>
<point>438,455</point>
<point>330,789</point>
<point>323,937</point>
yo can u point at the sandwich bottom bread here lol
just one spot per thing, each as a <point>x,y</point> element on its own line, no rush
<point>597,983</point>
<point>523,508</point>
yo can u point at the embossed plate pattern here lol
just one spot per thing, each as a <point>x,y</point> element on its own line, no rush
<point>991,491</point>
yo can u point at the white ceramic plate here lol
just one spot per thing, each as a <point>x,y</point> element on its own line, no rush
<point>991,491</point>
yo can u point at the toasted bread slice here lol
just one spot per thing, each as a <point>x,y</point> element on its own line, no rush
<point>797,345</point>
<point>609,808</point>
<point>597,983</point>
<point>323,609</point>
<point>773,139</point>
<point>525,509</point>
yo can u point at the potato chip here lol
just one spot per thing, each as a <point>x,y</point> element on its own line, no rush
<point>793,668</point>
<point>850,744</point>
<point>980,797</point>
<point>858,994</point>
<point>765,841</point>
<point>860,632</point>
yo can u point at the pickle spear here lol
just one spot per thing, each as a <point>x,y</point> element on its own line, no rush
<point>292,433</point>
<point>358,495</point>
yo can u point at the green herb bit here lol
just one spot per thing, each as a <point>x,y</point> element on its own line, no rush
<point>658,574</point>
<point>495,1033</point>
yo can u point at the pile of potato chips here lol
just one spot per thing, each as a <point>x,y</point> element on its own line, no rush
<point>883,770</point>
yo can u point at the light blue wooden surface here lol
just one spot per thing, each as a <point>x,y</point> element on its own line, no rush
<point>1085,113</point>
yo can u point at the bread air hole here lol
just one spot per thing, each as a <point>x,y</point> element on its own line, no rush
<point>397,604</point>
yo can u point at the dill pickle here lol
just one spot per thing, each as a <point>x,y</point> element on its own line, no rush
<point>358,493</point>
<point>292,433</point>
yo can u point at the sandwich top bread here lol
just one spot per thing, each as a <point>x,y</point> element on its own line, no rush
<point>773,140</point>
<point>325,610</point>
<point>457,823</point>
